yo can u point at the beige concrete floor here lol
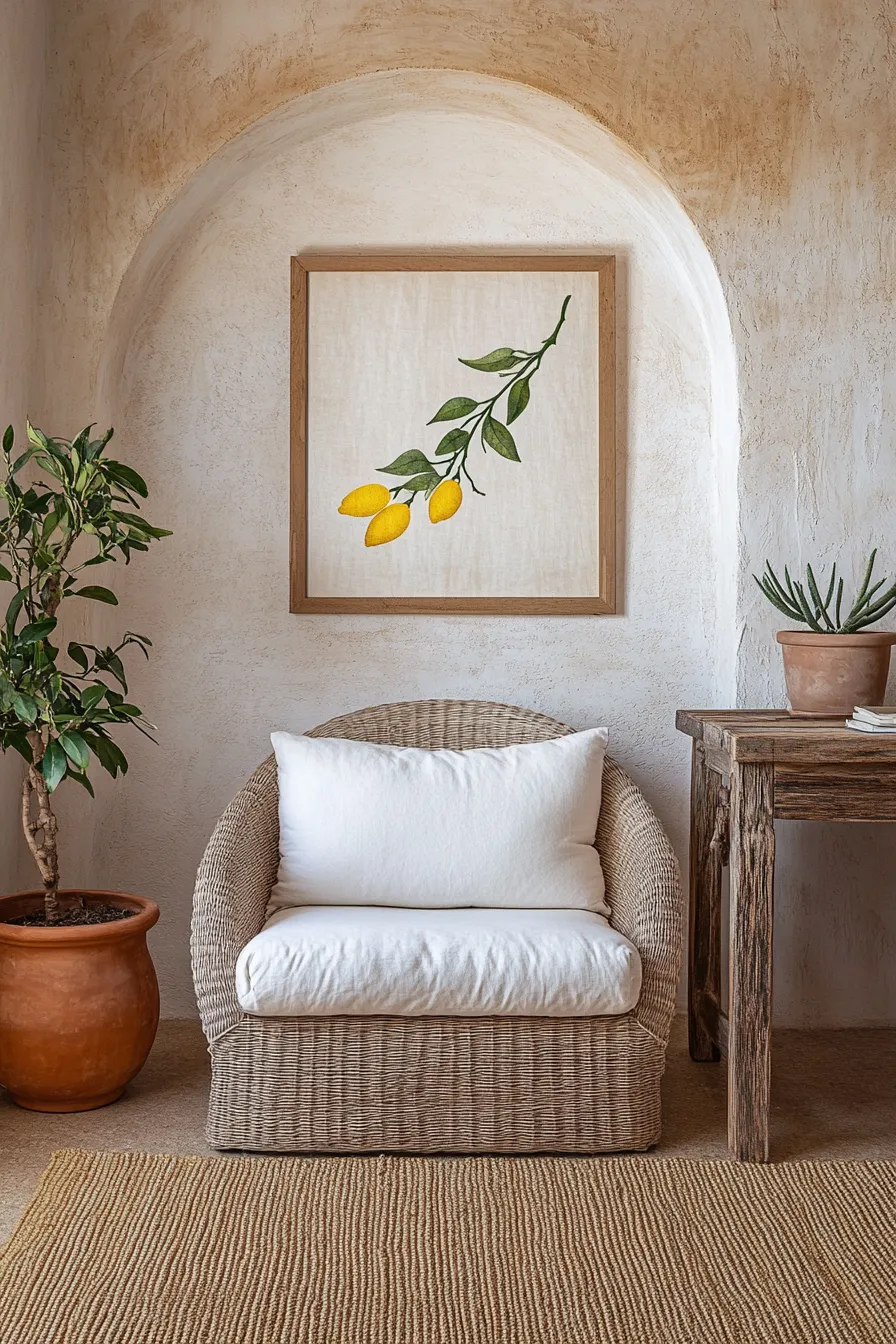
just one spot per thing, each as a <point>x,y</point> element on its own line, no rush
<point>834,1096</point>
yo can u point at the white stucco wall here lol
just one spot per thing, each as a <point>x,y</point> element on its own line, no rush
<point>23,55</point>
<point>773,125</point>
<point>198,388</point>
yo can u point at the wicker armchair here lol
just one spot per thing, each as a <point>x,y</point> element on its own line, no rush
<point>496,1084</point>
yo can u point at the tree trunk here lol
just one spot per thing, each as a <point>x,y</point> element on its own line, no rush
<point>40,828</point>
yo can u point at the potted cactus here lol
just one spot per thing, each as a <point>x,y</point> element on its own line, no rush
<point>78,993</point>
<point>837,663</point>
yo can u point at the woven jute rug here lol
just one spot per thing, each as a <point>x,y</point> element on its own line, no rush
<point>129,1247</point>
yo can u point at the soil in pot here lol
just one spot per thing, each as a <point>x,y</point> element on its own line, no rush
<point>73,918</point>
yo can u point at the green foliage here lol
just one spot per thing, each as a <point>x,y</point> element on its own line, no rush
<point>804,604</point>
<point>57,710</point>
<point>516,367</point>
<point>407,464</point>
<point>453,442</point>
<point>496,361</point>
<point>499,437</point>
<point>454,408</point>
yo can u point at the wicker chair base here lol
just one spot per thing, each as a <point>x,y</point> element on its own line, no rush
<point>437,1084</point>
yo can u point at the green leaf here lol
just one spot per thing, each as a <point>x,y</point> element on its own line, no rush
<point>518,399</point>
<point>127,476</point>
<point>36,436</point>
<point>75,748</point>
<point>19,742</point>
<point>36,631</point>
<point>21,461</point>
<point>14,608</point>
<point>49,524</point>
<point>53,766</point>
<point>83,781</point>
<point>499,437</point>
<point>119,756</point>
<point>109,756</point>
<point>5,575</point>
<point>114,664</point>
<point>92,695</point>
<point>408,464</point>
<point>142,526</point>
<point>95,448</point>
<point>454,409</point>
<point>495,361</point>
<point>421,482</point>
<point>77,655</point>
<point>82,439</point>
<point>25,707</point>
<point>143,644</point>
<point>9,438</point>
<point>97,593</point>
<point>454,442</point>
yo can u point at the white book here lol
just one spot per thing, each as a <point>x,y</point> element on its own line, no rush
<point>865,727</point>
<point>880,714</point>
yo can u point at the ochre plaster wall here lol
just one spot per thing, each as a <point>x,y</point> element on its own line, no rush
<point>23,56</point>
<point>774,126</point>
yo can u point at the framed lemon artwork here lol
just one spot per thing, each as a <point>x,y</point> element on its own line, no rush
<point>453,426</point>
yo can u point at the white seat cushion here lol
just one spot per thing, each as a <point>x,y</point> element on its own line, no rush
<point>362,960</point>
<point>365,824</point>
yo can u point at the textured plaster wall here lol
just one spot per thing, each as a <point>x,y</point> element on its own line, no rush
<point>202,392</point>
<point>773,124</point>
<point>23,54</point>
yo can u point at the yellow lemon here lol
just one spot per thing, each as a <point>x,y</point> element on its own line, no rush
<point>445,501</point>
<point>387,525</point>
<point>364,501</point>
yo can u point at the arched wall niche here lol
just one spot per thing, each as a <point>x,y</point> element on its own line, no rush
<point>369,98</point>
<point>194,374</point>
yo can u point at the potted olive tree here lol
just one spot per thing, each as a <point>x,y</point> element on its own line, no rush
<point>78,992</point>
<point>837,662</point>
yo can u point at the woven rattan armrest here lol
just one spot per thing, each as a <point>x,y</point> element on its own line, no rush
<point>644,893</point>
<point>233,887</point>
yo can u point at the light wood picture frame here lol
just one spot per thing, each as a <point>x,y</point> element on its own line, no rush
<point>394,359</point>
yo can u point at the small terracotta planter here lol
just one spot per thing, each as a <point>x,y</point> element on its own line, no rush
<point>79,1006</point>
<point>829,675</point>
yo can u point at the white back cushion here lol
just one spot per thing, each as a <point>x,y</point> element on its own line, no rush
<point>362,824</point>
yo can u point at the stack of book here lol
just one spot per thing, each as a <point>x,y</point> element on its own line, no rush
<point>873,719</point>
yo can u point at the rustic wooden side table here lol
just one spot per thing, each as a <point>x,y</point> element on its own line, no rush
<point>748,768</point>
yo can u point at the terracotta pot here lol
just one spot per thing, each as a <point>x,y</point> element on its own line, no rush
<point>79,1007</point>
<point>829,675</point>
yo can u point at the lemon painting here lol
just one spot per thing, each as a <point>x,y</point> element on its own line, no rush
<point>452,432</point>
<point>440,479</point>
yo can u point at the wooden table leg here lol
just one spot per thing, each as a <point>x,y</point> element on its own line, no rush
<point>705,914</point>
<point>750,964</point>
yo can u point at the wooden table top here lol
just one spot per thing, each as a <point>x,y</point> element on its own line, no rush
<point>776,735</point>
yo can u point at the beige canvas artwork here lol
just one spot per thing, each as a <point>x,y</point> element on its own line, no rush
<point>449,436</point>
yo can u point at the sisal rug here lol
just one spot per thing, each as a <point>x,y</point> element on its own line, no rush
<point>131,1248</point>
